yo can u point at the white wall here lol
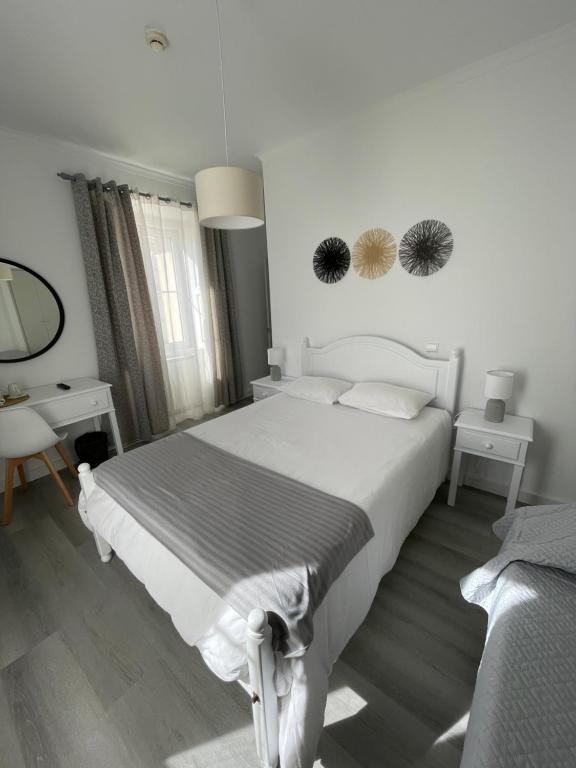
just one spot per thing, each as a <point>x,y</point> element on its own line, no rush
<point>489,150</point>
<point>248,266</point>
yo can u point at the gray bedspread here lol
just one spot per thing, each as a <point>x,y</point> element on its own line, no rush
<point>544,535</point>
<point>524,707</point>
<point>255,537</point>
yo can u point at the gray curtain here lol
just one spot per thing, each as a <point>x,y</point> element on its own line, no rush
<point>126,341</point>
<point>226,352</point>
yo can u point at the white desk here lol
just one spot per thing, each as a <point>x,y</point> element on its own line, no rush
<point>86,399</point>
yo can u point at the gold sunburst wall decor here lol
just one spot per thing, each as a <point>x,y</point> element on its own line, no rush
<point>374,253</point>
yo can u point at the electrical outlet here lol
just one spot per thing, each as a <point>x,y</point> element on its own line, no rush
<point>432,347</point>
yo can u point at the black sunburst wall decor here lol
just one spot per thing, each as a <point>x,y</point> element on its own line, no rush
<point>331,260</point>
<point>426,247</point>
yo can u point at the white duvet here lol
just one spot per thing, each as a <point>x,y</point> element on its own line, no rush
<point>389,467</point>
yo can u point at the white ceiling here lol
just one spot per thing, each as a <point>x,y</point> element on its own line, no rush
<point>79,69</point>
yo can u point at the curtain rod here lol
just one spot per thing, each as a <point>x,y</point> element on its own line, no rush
<point>70,177</point>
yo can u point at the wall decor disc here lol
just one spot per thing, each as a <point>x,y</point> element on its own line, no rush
<point>426,247</point>
<point>331,260</point>
<point>374,253</point>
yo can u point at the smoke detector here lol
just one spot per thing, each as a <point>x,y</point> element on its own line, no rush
<point>156,39</point>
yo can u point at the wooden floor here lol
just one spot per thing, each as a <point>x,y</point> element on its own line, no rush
<point>92,673</point>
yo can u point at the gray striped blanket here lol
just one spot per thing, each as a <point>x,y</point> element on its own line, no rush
<point>255,537</point>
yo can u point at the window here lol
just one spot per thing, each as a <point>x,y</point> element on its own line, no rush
<point>174,262</point>
<point>178,285</point>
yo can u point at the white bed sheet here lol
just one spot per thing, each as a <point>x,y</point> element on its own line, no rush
<point>389,467</point>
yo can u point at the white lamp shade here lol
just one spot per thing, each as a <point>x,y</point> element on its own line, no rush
<point>6,272</point>
<point>499,385</point>
<point>229,198</point>
<point>275,356</point>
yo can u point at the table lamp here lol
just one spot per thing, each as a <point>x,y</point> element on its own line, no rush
<point>275,360</point>
<point>499,387</point>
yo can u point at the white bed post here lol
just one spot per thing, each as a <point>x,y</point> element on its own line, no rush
<point>304,347</point>
<point>453,379</point>
<point>87,484</point>
<point>261,666</point>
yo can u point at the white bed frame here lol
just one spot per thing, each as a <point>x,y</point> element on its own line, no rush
<point>354,358</point>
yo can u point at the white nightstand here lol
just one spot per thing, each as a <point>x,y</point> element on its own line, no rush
<point>265,387</point>
<point>506,442</point>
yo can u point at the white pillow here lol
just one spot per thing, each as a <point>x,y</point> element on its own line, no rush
<point>317,388</point>
<point>386,399</point>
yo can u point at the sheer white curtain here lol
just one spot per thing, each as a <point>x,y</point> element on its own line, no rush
<point>172,250</point>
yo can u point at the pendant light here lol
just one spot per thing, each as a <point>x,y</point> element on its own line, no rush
<point>228,197</point>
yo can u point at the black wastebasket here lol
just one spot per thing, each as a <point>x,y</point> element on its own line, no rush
<point>92,448</point>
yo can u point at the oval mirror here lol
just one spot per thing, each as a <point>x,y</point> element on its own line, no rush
<point>31,313</point>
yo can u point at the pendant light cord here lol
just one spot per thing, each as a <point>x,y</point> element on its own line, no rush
<point>222,83</point>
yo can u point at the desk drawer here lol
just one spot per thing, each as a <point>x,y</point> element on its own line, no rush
<point>490,445</point>
<point>74,407</point>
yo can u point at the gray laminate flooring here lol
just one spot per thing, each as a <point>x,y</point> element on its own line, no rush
<point>93,674</point>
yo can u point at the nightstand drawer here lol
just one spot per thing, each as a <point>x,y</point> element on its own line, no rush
<point>491,445</point>
<point>259,393</point>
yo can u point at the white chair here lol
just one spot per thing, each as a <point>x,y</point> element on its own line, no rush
<point>25,435</point>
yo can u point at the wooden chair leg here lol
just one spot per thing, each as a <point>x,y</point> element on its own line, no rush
<point>67,460</point>
<point>8,489</point>
<point>57,478</point>
<point>22,476</point>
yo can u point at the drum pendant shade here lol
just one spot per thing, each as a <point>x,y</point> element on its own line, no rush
<point>229,197</point>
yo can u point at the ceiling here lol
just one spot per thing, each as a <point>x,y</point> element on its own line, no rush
<point>79,69</point>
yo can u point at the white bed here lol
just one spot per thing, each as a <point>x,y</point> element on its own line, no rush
<point>389,467</point>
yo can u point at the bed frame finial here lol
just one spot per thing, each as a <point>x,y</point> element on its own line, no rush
<point>87,483</point>
<point>86,478</point>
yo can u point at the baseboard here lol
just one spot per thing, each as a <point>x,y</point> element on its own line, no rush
<point>35,469</point>
<point>501,489</point>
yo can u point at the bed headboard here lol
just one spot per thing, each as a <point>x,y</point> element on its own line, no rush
<point>375,358</point>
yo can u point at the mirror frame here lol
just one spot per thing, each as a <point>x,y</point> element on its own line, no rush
<point>58,301</point>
